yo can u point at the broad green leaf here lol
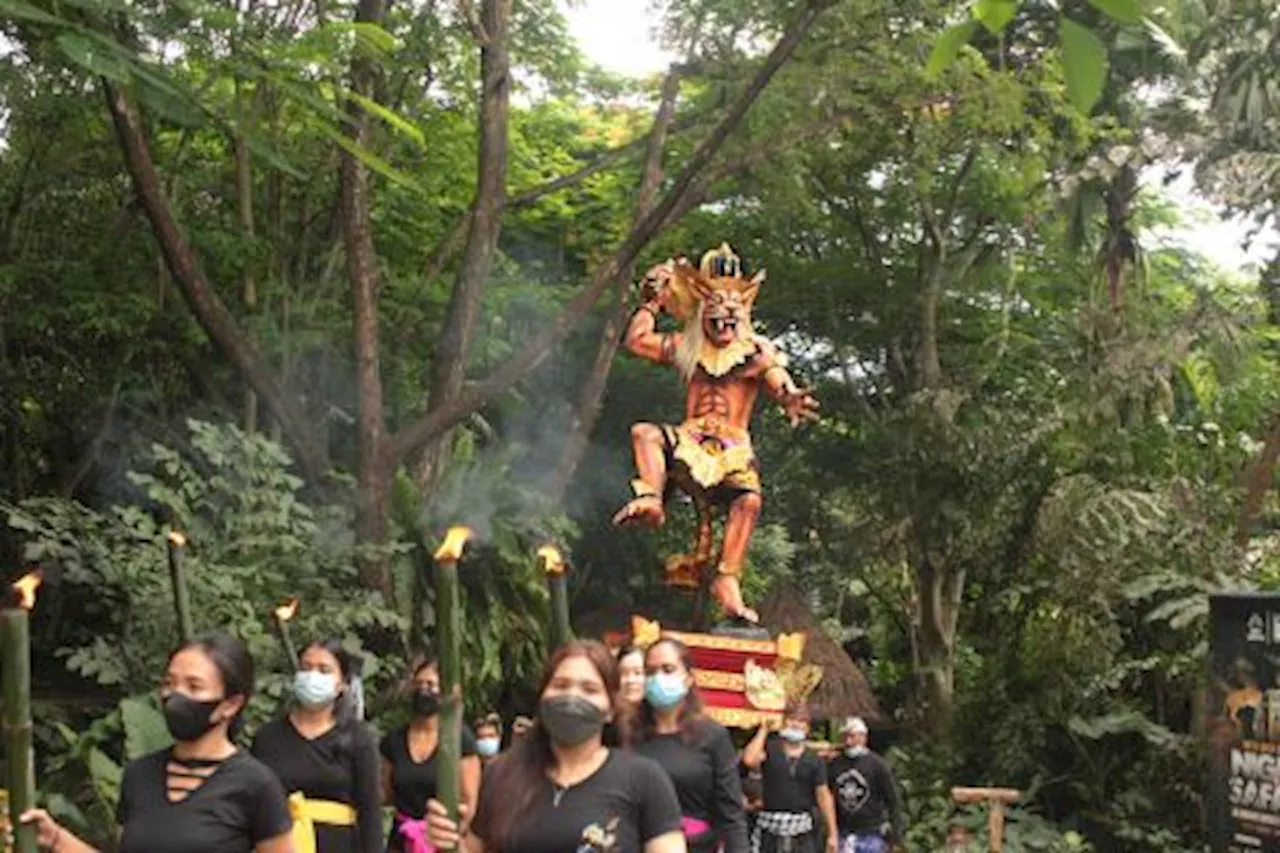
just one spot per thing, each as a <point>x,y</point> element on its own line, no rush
<point>995,15</point>
<point>948,45</point>
<point>27,12</point>
<point>368,158</point>
<point>94,57</point>
<point>1124,11</point>
<point>1084,60</point>
<point>144,727</point>
<point>106,774</point>
<point>99,5</point>
<point>391,117</point>
<point>375,37</point>
<point>161,96</point>
<point>370,38</point>
<point>264,149</point>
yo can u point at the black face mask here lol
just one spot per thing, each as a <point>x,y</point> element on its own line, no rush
<point>426,703</point>
<point>570,720</point>
<point>187,718</point>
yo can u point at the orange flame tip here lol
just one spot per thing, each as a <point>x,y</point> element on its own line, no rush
<point>26,587</point>
<point>288,610</point>
<point>178,538</point>
<point>552,561</point>
<point>455,540</point>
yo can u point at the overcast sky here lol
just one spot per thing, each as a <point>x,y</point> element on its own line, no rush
<point>618,34</point>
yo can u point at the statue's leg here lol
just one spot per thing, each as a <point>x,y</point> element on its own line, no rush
<point>738,527</point>
<point>645,509</point>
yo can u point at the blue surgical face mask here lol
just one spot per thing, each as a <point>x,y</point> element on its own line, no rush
<point>792,735</point>
<point>488,747</point>
<point>855,751</point>
<point>665,690</point>
<point>315,689</point>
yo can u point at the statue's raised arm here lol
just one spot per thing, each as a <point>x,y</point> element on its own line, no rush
<point>658,291</point>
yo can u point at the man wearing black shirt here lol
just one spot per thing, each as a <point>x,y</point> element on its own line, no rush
<point>866,795</point>
<point>795,786</point>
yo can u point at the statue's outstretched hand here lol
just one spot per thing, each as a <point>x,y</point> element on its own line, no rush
<point>800,405</point>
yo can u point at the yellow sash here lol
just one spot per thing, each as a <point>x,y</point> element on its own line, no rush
<point>307,813</point>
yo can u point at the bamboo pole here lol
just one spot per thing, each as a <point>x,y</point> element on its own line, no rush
<point>449,650</point>
<point>15,686</point>
<point>553,565</point>
<point>178,577</point>
<point>281,616</point>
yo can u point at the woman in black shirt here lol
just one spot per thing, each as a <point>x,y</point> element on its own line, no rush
<point>695,751</point>
<point>325,757</point>
<point>202,795</point>
<point>562,788</point>
<point>409,762</point>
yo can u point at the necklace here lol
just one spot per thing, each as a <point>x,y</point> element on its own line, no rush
<point>559,788</point>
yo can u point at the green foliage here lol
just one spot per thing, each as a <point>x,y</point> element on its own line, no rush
<point>1085,55</point>
<point>81,777</point>
<point>1065,471</point>
<point>1084,59</point>
<point>253,543</point>
<point>931,814</point>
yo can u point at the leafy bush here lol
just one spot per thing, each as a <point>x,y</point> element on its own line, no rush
<point>253,541</point>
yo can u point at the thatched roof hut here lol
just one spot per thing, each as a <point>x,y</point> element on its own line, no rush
<point>844,690</point>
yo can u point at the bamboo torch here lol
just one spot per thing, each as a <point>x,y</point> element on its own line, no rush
<point>15,647</point>
<point>283,614</point>
<point>178,577</point>
<point>449,649</point>
<point>554,566</point>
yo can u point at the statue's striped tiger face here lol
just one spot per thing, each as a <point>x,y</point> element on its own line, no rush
<point>726,314</point>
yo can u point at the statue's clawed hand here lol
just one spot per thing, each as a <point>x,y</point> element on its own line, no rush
<point>800,405</point>
<point>655,287</point>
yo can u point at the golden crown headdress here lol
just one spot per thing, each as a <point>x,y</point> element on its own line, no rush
<point>720,269</point>
<point>721,263</point>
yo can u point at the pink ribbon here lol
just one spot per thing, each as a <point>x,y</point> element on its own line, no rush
<point>414,833</point>
<point>692,827</point>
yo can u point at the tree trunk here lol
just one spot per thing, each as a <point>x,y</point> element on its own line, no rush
<point>928,367</point>
<point>244,219</point>
<point>1261,477</point>
<point>484,226</point>
<point>1121,250</point>
<point>434,422</point>
<point>591,396</point>
<point>939,592</point>
<point>373,480</point>
<point>210,313</point>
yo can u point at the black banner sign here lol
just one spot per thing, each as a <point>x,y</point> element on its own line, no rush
<point>1244,724</point>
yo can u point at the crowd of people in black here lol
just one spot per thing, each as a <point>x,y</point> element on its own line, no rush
<point>620,757</point>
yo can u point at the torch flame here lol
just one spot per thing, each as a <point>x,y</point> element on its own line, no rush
<point>178,538</point>
<point>288,610</point>
<point>451,548</point>
<point>552,561</point>
<point>26,587</point>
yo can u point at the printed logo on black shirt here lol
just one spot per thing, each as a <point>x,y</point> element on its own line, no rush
<point>853,791</point>
<point>598,839</point>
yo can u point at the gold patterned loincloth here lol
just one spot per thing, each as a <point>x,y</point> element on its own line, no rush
<point>714,454</point>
